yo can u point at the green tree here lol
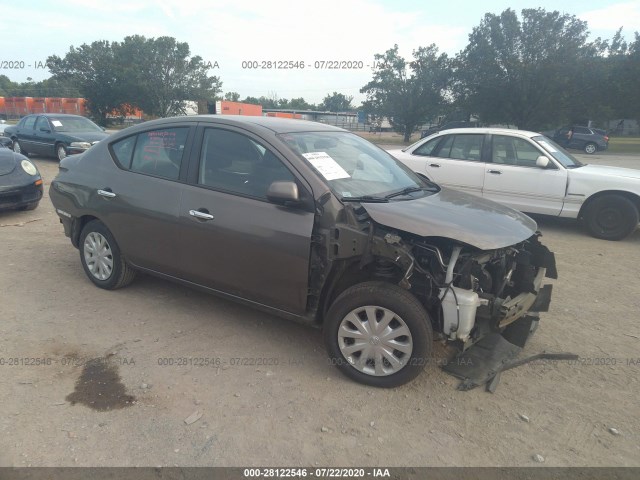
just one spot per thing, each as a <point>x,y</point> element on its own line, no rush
<point>157,75</point>
<point>336,102</point>
<point>408,93</point>
<point>232,96</point>
<point>524,72</point>
<point>161,75</point>
<point>95,71</point>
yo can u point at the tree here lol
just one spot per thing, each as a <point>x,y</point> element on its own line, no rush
<point>163,75</point>
<point>96,72</point>
<point>408,93</point>
<point>232,96</point>
<point>157,75</point>
<point>524,72</point>
<point>336,102</point>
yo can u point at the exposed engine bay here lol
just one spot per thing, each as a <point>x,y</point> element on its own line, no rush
<point>468,292</point>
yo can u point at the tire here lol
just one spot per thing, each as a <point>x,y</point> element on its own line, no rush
<point>17,147</point>
<point>101,257</point>
<point>590,148</point>
<point>402,313</point>
<point>31,206</point>
<point>61,153</point>
<point>611,217</point>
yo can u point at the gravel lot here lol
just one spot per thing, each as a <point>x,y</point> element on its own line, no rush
<point>292,408</point>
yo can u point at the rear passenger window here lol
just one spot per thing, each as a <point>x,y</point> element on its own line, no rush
<point>123,151</point>
<point>158,152</point>
<point>427,148</point>
<point>462,147</point>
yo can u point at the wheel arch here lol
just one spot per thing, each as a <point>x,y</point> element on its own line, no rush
<point>634,197</point>
<point>345,274</point>
<point>78,225</point>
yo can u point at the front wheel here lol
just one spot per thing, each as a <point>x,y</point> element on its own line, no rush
<point>378,334</point>
<point>61,152</point>
<point>101,258</point>
<point>611,217</point>
<point>590,148</point>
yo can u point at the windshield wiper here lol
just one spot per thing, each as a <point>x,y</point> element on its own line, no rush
<point>365,198</point>
<point>404,191</point>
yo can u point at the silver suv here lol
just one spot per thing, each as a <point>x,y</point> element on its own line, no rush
<point>590,140</point>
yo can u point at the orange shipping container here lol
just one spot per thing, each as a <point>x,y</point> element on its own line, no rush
<point>39,105</point>
<point>224,107</point>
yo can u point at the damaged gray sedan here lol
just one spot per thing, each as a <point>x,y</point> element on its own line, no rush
<point>314,224</point>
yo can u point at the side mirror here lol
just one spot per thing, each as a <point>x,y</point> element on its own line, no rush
<point>542,161</point>
<point>283,193</point>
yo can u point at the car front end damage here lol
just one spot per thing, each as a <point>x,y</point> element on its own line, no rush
<point>485,301</point>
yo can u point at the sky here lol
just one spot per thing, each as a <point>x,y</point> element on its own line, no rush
<point>226,33</point>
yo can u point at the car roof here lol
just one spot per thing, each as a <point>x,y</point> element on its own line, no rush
<point>55,115</point>
<point>494,131</point>
<point>276,125</point>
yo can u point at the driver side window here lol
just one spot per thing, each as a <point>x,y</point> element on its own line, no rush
<point>235,163</point>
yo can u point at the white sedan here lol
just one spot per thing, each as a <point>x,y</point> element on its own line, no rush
<point>529,172</point>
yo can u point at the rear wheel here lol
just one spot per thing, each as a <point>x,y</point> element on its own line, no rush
<point>611,217</point>
<point>18,148</point>
<point>31,206</point>
<point>101,257</point>
<point>378,334</point>
<point>590,148</point>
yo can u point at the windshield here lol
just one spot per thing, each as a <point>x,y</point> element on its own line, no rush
<point>557,152</point>
<point>355,169</point>
<point>74,124</point>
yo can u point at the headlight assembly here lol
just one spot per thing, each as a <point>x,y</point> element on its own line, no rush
<point>29,167</point>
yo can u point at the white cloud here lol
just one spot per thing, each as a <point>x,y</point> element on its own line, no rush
<point>612,17</point>
<point>230,31</point>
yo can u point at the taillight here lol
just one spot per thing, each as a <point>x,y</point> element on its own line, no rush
<point>606,139</point>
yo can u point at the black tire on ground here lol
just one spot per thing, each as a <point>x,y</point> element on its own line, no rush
<point>122,274</point>
<point>611,217</point>
<point>590,148</point>
<point>405,307</point>
<point>17,147</point>
<point>31,206</point>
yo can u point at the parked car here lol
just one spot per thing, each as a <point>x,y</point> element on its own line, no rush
<point>310,222</point>
<point>531,173</point>
<point>4,141</point>
<point>446,126</point>
<point>20,182</point>
<point>54,135</point>
<point>589,140</point>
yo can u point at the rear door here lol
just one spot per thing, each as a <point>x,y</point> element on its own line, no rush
<point>43,138</point>
<point>233,239</point>
<point>139,200</point>
<point>456,162</point>
<point>25,133</point>
<point>513,179</point>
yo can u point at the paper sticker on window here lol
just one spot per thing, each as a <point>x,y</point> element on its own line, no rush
<point>327,166</point>
<point>56,123</point>
<point>548,146</point>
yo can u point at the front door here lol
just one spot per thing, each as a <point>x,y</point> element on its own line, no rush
<point>233,239</point>
<point>513,179</point>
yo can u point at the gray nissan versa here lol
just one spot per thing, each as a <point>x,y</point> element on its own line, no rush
<point>315,224</point>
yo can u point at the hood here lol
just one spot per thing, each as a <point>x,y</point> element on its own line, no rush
<point>86,136</point>
<point>8,161</point>
<point>604,170</point>
<point>456,215</point>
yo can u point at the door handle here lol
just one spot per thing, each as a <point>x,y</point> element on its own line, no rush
<point>201,215</point>
<point>435,165</point>
<point>495,172</point>
<point>106,193</point>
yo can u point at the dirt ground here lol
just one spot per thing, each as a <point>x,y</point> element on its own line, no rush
<point>291,408</point>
